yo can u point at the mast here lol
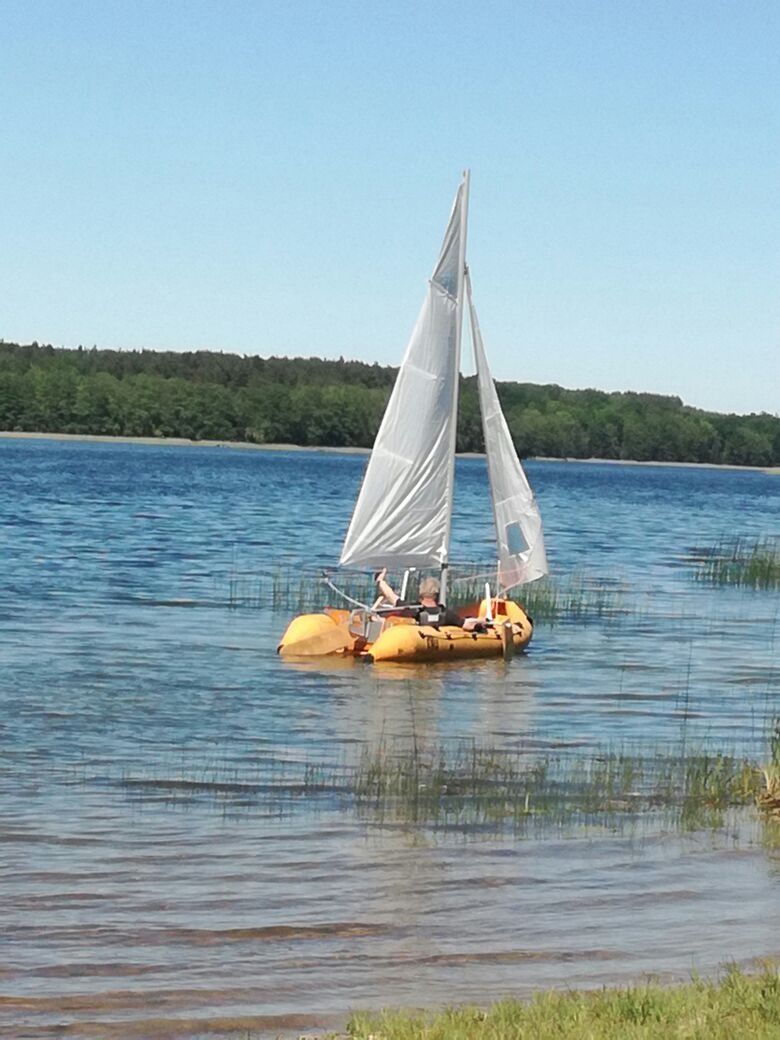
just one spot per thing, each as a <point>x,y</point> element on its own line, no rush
<point>464,210</point>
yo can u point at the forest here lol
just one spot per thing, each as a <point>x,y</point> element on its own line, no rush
<point>207,395</point>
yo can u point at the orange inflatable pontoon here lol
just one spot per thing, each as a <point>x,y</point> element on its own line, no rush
<point>363,634</point>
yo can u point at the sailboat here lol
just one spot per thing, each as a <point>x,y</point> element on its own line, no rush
<point>403,516</point>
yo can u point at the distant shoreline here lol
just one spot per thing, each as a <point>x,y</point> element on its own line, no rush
<point>176,442</point>
<point>774,470</point>
<point>184,442</point>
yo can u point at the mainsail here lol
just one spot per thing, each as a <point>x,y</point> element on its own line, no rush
<point>521,555</point>
<point>403,513</point>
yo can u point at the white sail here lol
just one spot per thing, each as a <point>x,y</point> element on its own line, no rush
<point>403,513</point>
<point>521,555</point>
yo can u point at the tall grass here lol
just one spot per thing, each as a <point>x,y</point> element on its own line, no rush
<point>473,789</point>
<point>753,564</point>
<point>465,785</point>
<point>304,590</point>
<point>769,797</point>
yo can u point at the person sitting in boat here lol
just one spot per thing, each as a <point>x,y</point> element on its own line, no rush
<point>429,611</point>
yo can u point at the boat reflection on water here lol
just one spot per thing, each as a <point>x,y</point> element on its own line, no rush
<point>490,699</point>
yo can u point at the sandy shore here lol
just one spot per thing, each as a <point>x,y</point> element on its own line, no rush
<point>177,442</point>
<point>671,465</point>
<point>183,442</point>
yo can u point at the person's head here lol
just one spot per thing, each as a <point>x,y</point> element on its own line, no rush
<point>429,590</point>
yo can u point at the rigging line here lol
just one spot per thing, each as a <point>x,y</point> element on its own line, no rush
<point>373,610</point>
<point>343,595</point>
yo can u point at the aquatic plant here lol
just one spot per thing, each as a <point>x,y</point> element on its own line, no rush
<point>471,786</point>
<point>769,798</point>
<point>292,589</point>
<point>753,564</point>
<point>735,1005</point>
<point>474,789</point>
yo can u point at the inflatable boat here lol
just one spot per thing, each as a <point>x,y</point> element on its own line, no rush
<point>372,637</point>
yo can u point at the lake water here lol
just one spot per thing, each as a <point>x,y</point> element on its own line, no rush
<point>142,897</point>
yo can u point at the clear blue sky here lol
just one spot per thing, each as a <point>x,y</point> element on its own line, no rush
<point>274,178</point>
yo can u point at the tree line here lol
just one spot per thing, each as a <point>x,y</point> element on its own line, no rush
<point>308,401</point>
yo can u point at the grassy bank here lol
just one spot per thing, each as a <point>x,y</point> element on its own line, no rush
<point>737,1005</point>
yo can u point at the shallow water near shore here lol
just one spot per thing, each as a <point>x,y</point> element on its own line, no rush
<point>168,870</point>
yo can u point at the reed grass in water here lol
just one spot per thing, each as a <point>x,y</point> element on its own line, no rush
<point>468,786</point>
<point>306,591</point>
<point>752,564</point>
<point>473,789</point>
<point>769,797</point>
<point>737,1006</point>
